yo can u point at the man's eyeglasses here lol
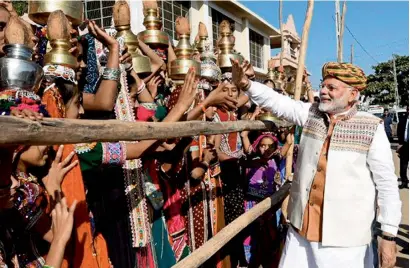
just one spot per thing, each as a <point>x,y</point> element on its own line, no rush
<point>331,87</point>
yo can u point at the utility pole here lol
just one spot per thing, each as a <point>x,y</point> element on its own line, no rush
<point>351,53</point>
<point>337,20</point>
<point>341,33</point>
<point>396,88</point>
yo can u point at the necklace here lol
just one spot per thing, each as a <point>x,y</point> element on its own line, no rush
<point>24,177</point>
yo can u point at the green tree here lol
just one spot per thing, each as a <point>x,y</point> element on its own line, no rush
<point>20,7</point>
<point>380,85</point>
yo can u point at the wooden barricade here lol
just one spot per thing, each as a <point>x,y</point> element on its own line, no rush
<point>68,131</point>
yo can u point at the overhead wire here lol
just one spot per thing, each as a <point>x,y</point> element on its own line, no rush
<point>357,41</point>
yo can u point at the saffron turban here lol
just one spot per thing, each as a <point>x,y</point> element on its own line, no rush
<point>347,73</point>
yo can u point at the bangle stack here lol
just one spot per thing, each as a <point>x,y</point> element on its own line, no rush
<point>111,74</point>
<point>141,88</point>
<point>128,67</point>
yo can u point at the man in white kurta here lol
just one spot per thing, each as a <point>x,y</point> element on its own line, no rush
<point>344,159</point>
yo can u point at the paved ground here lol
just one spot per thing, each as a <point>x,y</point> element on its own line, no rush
<point>403,235</point>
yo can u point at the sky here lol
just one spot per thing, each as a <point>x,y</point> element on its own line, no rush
<point>381,27</point>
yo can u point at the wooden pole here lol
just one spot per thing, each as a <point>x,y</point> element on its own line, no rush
<point>298,89</point>
<point>202,254</point>
<point>288,175</point>
<point>351,53</point>
<point>337,24</point>
<point>282,37</point>
<point>303,47</point>
<point>67,131</point>
<point>342,29</point>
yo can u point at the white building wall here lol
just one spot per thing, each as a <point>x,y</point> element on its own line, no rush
<point>137,16</point>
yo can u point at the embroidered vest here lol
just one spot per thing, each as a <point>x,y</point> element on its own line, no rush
<point>353,133</point>
<point>348,178</point>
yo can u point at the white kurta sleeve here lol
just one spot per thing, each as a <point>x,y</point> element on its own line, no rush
<point>380,161</point>
<point>282,106</point>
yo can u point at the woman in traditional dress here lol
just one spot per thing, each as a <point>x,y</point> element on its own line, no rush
<point>229,149</point>
<point>63,99</point>
<point>262,244</point>
<point>25,204</point>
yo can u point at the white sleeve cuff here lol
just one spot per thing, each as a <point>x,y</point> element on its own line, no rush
<point>389,229</point>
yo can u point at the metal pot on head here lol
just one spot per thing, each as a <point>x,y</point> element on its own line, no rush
<point>17,71</point>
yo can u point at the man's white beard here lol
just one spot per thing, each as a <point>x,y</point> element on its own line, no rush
<point>335,106</point>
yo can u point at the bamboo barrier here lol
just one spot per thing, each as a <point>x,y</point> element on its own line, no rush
<point>69,131</point>
<point>203,253</point>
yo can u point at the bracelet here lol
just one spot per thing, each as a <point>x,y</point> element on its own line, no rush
<point>141,88</point>
<point>202,108</point>
<point>388,238</point>
<point>111,74</point>
<point>129,68</point>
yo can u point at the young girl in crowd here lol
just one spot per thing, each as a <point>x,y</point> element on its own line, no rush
<point>261,246</point>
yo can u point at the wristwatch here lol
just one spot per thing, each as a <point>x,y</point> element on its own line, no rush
<point>388,237</point>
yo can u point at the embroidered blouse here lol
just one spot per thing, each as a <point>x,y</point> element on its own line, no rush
<point>18,243</point>
<point>93,155</point>
<point>262,179</point>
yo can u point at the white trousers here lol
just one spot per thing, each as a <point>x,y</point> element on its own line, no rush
<point>300,253</point>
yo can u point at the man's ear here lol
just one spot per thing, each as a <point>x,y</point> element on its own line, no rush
<point>353,96</point>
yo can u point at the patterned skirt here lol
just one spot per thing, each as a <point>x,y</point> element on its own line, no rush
<point>262,244</point>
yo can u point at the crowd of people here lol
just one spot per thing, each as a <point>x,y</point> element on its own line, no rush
<point>151,203</point>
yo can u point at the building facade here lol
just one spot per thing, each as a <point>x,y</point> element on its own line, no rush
<point>252,33</point>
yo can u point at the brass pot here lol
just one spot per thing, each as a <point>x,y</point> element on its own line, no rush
<point>154,37</point>
<point>180,66</point>
<point>141,64</point>
<point>224,60</point>
<point>59,54</point>
<point>38,11</point>
<point>269,117</point>
<point>153,34</point>
<point>291,86</point>
<point>271,75</point>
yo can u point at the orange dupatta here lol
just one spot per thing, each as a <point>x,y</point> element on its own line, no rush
<point>83,250</point>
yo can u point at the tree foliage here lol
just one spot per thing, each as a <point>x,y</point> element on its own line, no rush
<point>380,85</point>
<point>20,7</point>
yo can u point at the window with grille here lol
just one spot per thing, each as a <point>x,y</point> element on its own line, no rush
<point>217,18</point>
<point>99,11</point>
<point>169,11</point>
<point>256,49</point>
